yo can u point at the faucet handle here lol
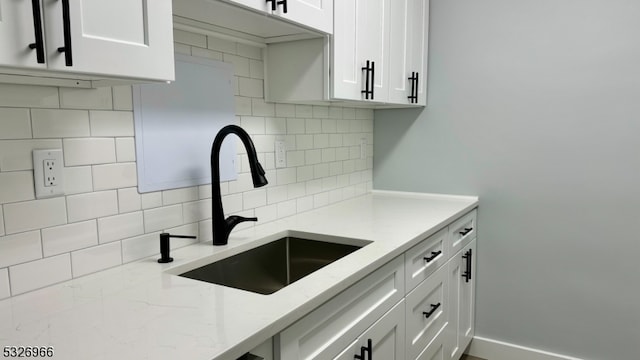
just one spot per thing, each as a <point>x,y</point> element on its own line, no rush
<point>165,248</point>
<point>234,220</point>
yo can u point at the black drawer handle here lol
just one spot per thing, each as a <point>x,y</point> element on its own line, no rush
<point>466,231</point>
<point>430,312</point>
<point>369,74</point>
<point>37,29</point>
<point>434,254</point>
<point>273,4</point>
<point>66,49</point>
<point>284,5</point>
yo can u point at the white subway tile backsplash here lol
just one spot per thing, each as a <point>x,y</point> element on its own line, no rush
<point>111,123</point>
<point>57,123</point>
<point>232,203</point>
<point>5,291</point>
<point>189,229</point>
<point>40,273</point>
<point>122,98</point>
<point>256,69</point>
<point>151,200</point>
<point>253,124</point>
<point>16,186</point>
<point>77,180</point>
<point>304,111</point>
<point>286,208</point>
<point>267,213</point>
<point>162,218</point>
<point>89,151</point>
<point>99,98</point>
<point>304,203</point>
<point>254,198</point>
<point>313,126</point>
<point>252,52</point>
<point>96,258</point>
<point>190,38</point>
<point>183,49</point>
<point>36,214</point>
<point>129,200</point>
<point>196,210</point>
<point>261,108</point>
<point>250,87</point>
<point>66,238</point>
<point>114,176</point>
<point>19,248</point>
<point>17,154</point>
<point>125,149</point>
<point>120,227</point>
<point>92,205</point>
<point>102,221</point>
<point>28,96</point>
<point>285,110</point>
<point>240,64</point>
<point>177,196</point>
<point>140,247</point>
<point>207,54</point>
<point>15,124</point>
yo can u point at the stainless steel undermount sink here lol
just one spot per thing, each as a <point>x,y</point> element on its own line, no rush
<point>270,267</point>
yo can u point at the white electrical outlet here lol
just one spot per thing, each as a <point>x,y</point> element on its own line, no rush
<point>281,154</point>
<point>48,173</point>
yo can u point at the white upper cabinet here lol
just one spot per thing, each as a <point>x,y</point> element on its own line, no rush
<point>131,39</point>
<point>314,14</point>
<point>360,50</point>
<point>377,55</point>
<point>408,26</point>
<point>18,32</point>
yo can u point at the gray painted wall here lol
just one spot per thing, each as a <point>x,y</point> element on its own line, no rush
<point>535,107</point>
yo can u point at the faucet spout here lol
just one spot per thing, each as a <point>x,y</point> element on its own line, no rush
<point>222,227</point>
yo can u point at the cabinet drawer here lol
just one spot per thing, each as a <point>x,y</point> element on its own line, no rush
<point>462,231</point>
<point>427,312</point>
<point>423,259</point>
<point>329,329</point>
<point>435,350</point>
<point>384,339</point>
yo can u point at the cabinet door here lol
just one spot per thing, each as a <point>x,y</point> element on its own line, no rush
<point>360,35</point>
<point>316,14</point>
<point>128,38</point>
<point>385,338</point>
<point>409,26</point>
<point>16,33</point>
<point>462,300</point>
<point>260,5</point>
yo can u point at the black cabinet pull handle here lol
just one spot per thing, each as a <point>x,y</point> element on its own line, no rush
<point>430,312</point>
<point>66,49</point>
<point>284,5</point>
<point>434,254</point>
<point>467,273</point>
<point>412,97</point>
<point>466,231</point>
<point>366,69</point>
<point>273,4</point>
<point>417,88</point>
<point>365,349</point>
<point>373,76</point>
<point>37,29</point>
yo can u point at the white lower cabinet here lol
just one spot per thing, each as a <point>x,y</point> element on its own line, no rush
<point>383,340</point>
<point>419,306</point>
<point>334,326</point>
<point>427,310</point>
<point>461,273</point>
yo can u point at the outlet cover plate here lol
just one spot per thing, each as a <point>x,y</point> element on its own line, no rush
<point>48,173</point>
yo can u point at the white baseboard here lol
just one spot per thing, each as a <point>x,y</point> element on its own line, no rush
<point>499,350</point>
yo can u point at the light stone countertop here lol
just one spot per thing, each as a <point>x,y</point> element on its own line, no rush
<point>140,311</point>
